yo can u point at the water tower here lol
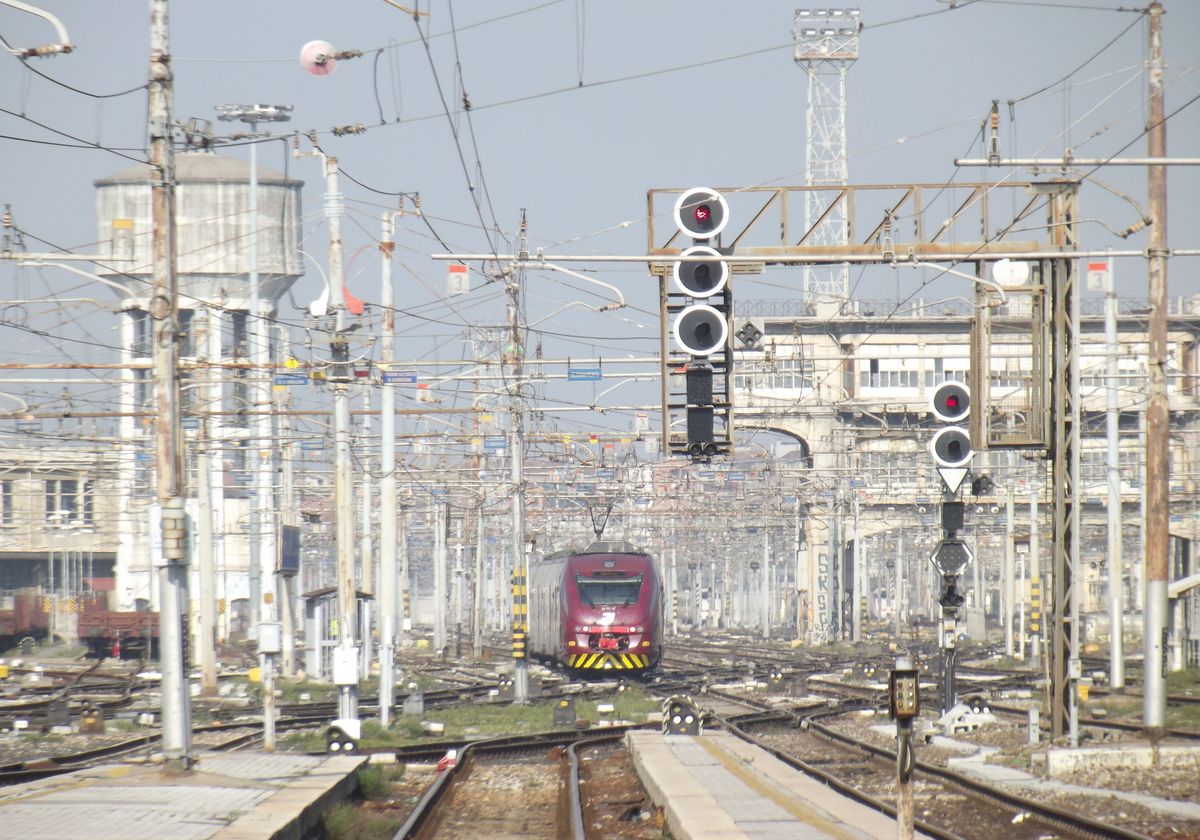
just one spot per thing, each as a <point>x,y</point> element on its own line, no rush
<point>222,236</point>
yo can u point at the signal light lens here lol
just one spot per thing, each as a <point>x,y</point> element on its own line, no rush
<point>702,213</point>
<point>952,401</point>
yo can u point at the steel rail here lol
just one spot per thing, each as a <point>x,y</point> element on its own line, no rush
<point>429,802</point>
<point>41,768</point>
<point>1056,816</point>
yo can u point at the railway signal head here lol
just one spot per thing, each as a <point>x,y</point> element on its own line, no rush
<point>951,445</point>
<point>701,330</point>
<point>701,213</point>
<point>342,736</point>
<point>700,278</point>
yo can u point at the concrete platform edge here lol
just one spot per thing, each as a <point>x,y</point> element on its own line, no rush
<point>293,811</point>
<point>691,813</point>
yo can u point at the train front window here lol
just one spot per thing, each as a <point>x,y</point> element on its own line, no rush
<point>608,591</point>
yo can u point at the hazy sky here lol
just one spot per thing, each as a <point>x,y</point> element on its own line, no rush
<point>577,108</point>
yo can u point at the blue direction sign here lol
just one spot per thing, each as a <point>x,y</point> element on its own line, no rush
<point>585,488</point>
<point>189,422</point>
<point>592,374</point>
<point>399,377</point>
<point>736,476</point>
<point>606,472</point>
<point>312,445</point>
<point>291,379</point>
<point>494,442</point>
<point>707,474</point>
<point>29,425</point>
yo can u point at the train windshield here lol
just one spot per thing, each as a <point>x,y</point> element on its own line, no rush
<point>606,591</point>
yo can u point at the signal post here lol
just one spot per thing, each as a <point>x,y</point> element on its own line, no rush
<point>702,305</point>
<point>952,453</point>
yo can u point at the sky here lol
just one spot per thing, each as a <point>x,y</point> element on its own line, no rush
<point>576,109</point>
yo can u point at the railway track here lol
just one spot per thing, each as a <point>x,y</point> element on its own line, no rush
<point>954,805</point>
<point>475,795</point>
<point>41,768</point>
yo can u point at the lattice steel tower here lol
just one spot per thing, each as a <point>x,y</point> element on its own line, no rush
<point>826,45</point>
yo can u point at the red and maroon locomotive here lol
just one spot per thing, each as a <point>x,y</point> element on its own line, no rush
<point>599,609</point>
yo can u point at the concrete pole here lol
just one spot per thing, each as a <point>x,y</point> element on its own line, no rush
<point>802,584</point>
<point>205,548</point>
<point>287,583</point>
<point>674,580</point>
<point>366,562</point>
<point>766,586</point>
<point>173,568</point>
<point>477,593</point>
<point>856,560</point>
<point>439,578</point>
<point>517,457</point>
<point>1158,426</point>
<point>387,481</point>
<point>899,572</point>
<point>1038,603</point>
<point>405,602</point>
<point>1006,608</point>
<point>343,485</point>
<point>1116,588</point>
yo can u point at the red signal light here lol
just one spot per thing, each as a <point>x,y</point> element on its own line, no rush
<point>703,213</point>
<point>952,401</point>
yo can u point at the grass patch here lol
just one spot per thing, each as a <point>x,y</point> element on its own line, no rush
<point>317,691</point>
<point>375,781</point>
<point>482,720</point>
<point>495,719</point>
<point>345,822</point>
<point>305,741</point>
<point>1186,681</point>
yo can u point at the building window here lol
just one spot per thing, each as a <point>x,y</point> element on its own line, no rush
<point>6,502</point>
<point>68,501</point>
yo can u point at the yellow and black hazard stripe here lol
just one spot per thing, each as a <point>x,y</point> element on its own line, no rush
<point>1035,606</point>
<point>606,660</point>
<point>520,624</point>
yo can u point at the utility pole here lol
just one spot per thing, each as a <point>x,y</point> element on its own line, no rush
<point>857,576</point>
<point>365,559</point>
<point>898,571</point>
<point>333,311</point>
<point>1116,587</point>
<point>173,571</point>
<point>765,612</point>
<point>439,576</point>
<point>517,454</point>
<point>204,509</point>
<point>1158,425</point>
<point>477,594</point>
<point>387,481</point>
<point>263,520</point>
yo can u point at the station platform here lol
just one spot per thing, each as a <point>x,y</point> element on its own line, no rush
<point>226,796</point>
<point>717,786</point>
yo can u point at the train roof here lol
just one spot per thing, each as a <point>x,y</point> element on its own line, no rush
<point>612,547</point>
<point>598,547</point>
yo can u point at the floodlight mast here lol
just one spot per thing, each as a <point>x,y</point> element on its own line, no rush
<point>826,45</point>
<point>263,521</point>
